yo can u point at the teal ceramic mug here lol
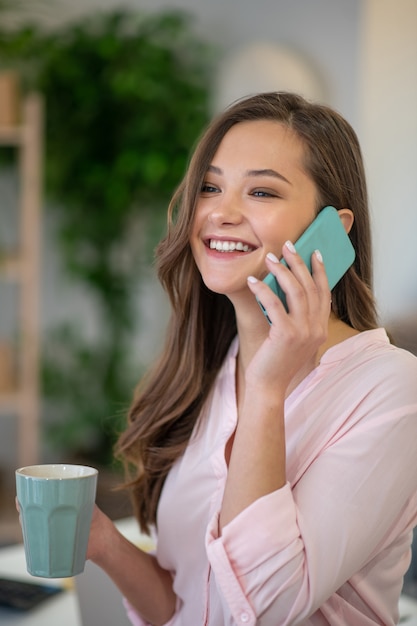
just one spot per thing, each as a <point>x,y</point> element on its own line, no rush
<point>56,504</point>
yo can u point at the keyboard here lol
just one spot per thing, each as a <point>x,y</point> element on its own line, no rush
<point>22,595</point>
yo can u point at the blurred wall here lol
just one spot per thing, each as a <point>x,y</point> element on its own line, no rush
<point>326,32</point>
<point>387,99</point>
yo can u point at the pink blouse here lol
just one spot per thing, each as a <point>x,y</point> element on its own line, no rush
<point>331,546</point>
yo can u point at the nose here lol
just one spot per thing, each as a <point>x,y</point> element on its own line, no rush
<point>227,210</point>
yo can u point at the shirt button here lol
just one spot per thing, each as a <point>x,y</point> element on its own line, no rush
<point>244,617</point>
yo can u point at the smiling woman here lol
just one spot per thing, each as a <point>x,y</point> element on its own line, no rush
<point>256,450</point>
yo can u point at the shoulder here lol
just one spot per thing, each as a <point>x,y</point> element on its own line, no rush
<point>368,365</point>
<point>388,362</point>
<point>370,349</point>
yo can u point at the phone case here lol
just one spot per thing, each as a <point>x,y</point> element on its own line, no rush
<point>327,234</point>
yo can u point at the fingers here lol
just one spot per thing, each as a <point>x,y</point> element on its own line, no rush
<point>299,282</point>
<point>306,293</point>
<point>320,280</point>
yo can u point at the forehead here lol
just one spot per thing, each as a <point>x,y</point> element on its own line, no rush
<point>261,144</point>
<point>261,140</point>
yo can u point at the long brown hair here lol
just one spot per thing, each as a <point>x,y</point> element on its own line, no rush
<point>170,398</point>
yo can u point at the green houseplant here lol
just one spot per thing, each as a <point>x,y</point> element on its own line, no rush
<point>126,97</point>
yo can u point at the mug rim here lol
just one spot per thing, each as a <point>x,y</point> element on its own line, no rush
<point>29,471</point>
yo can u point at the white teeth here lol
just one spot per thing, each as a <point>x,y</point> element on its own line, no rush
<point>228,246</point>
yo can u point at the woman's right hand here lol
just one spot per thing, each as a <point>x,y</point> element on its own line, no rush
<point>141,580</point>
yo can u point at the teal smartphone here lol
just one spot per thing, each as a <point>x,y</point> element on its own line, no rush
<point>327,234</point>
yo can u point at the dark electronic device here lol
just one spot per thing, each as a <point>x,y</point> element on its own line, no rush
<point>22,595</point>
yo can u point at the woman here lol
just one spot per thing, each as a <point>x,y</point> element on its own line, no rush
<point>277,461</point>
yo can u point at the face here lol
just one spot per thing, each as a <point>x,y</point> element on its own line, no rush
<point>255,196</point>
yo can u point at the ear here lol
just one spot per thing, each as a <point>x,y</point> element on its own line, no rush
<point>347,218</point>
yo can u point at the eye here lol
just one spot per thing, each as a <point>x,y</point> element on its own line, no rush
<point>209,188</point>
<point>263,193</point>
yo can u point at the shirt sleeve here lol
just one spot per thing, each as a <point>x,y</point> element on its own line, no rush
<point>133,616</point>
<point>136,620</point>
<point>289,551</point>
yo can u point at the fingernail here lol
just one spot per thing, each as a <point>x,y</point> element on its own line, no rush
<point>318,255</point>
<point>271,256</point>
<point>290,246</point>
<point>252,279</point>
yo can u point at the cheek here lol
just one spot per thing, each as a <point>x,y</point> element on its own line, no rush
<point>197,222</point>
<point>286,228</point>
<point>276,232</point>
<point>194,239</point>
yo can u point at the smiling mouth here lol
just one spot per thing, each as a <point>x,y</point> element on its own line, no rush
<point>229,246</point>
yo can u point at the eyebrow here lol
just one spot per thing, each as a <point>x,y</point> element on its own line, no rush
<point>263,172</point>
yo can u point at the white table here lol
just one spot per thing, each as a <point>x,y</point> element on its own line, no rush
<point>62,609</point>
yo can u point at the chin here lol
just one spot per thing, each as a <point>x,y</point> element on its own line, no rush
<point>228,290</point>
<point>216,288</point>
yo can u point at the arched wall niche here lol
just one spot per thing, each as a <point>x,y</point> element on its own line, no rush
<point>266,67</point>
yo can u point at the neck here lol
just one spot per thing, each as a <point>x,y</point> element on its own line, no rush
<point>251,337</point>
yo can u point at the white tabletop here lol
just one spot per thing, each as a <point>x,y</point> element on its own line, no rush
<point>408,611</point>
<point>62,609</point>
